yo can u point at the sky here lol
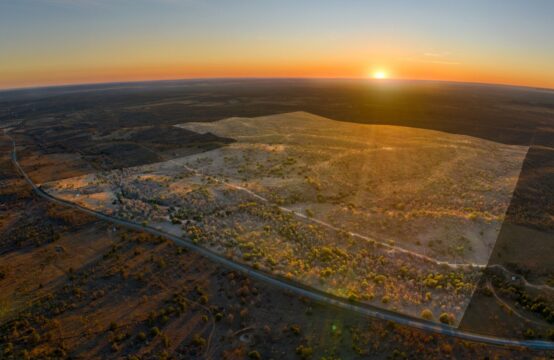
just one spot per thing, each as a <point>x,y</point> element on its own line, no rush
<point>50,42</point>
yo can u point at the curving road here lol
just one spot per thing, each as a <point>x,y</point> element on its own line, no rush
<point>299,289</point>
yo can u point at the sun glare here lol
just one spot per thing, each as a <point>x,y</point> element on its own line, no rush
<point>380,74</point>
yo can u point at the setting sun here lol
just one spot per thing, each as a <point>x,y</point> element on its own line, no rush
<point>380,74</point>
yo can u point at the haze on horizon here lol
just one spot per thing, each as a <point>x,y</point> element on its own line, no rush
<point>50,42</point>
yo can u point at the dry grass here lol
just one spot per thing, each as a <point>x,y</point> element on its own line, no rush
<point>431,193</point>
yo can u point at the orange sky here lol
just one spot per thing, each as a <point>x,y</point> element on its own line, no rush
<point>49,42</point>
<point>132,72</point>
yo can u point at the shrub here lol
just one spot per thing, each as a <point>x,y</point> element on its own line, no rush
<point>155,331</point>
<point>427,314</point>
<point>445,318</point>
<point>198,340</point>
<point>326,272</point>
<point>141,336</point>
<point>352,297</point>
<point>35,337</point>
<point>295,328</point>
<point>529,333</point>
<point>305,352</point>
<point>8,348</point>
<point>244,313</point>
<point>25,355</point>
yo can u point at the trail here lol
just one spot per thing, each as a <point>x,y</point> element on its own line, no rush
<point>521,278</point>
<point>514,311</point>
<point>332,227</point>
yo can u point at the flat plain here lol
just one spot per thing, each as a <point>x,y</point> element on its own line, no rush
<point>74,286</point>
<point>398,217</point>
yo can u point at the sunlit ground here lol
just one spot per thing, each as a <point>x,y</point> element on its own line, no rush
<point>395,216</point>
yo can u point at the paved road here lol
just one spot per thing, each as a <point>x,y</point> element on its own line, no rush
<point>299,289</point>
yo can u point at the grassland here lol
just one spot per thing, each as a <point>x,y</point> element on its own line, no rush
<point>397,217</point>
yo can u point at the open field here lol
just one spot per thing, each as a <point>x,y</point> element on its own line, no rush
<point>330,204</point>
<point>432,192</point>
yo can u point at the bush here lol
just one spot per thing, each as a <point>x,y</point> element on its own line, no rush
<point>244,313</point>
<point>427,314</point>
<point>8,348</point>
<point>198,340</point>
<point>305,352</point>
<point>254,355</point>
<point>155,331</point>
<point>35,337</point>
<point>295,329</point>
<point>529,333</point>
<point>141,336</point>
<point>25,355</point>
<point>445,318</point>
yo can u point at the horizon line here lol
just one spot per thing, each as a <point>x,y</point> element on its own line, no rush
<point>215,78</point>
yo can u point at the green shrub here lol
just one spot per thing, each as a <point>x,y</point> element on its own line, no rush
<point>427,314</point>
<point>445,318</point>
